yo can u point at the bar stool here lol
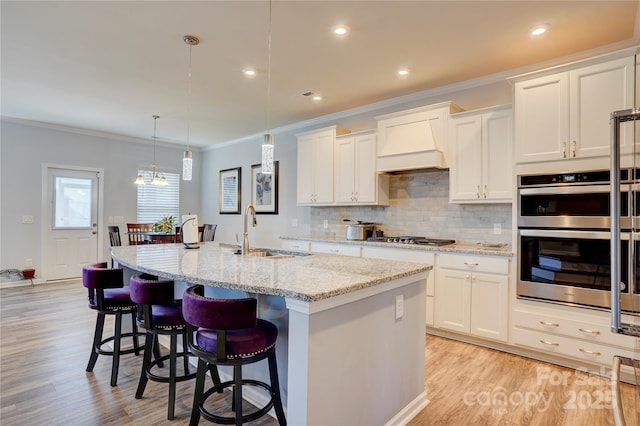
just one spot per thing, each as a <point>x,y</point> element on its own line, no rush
<point>108,296</point>
<point>229,333</point>
<point>160,314</point>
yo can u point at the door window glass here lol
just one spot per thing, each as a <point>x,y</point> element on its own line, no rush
<point>72,203</point>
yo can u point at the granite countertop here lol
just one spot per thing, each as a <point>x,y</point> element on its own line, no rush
<point>308,277</point>
<point>458,247</point>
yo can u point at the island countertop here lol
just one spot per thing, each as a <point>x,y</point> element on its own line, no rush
<point>305,277</point>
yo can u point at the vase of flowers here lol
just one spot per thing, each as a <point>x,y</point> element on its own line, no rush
<point>165,224</point>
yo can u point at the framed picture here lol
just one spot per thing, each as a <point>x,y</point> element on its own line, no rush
<point>229,192</point>
<point>264,189</point>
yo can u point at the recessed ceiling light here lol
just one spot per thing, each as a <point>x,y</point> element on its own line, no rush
<point>403,72</point>
<point>249,72</point>
<point>539,30</point>
<point>317,97</point>
<point>340,30</point>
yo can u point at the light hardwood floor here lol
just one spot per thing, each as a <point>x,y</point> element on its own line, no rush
<point>45,339</point>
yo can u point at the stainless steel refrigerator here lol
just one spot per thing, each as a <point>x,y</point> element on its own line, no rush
<point>627,122</point>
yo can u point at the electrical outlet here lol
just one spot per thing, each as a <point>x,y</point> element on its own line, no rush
<point>497,229</point>
<point>399,306</point>
<point>27,219</point>
<point>294,222</point>
<point>325,224</point>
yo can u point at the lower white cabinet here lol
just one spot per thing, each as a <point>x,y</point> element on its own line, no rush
<point>472,295</point>
<point>296,245</point>
<point>580,337</point>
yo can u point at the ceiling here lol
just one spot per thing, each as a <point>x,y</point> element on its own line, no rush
<point>109,66</point>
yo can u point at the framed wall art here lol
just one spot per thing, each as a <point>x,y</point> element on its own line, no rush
<point>229,192</point>
<point>264,189</point>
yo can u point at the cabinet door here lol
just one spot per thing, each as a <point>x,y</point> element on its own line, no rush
<point>466,170</point>
<point>345,169</point>
<point>596,91</point>
<point>365,174</point>
<point>305,170</point>
<point>489,311</point>
<point>452,300</point>
<point>542,118</point>
<point>323,167</point>
<point>497,159</point>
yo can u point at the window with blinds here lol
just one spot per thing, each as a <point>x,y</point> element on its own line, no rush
<point>155,202</point>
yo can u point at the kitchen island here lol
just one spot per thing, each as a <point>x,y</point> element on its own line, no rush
<point>351,333</point>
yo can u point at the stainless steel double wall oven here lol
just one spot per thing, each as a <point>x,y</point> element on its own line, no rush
<point>564,238</point>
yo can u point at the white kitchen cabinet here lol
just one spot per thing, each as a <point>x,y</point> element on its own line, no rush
<point>356,177</point>
<point>331,248</point>
<point>480,170</point>
<point>471,295</point>
<point>316,165</point>
<point>408,255</point>
<point>296,245</point>
<point>565,115</point>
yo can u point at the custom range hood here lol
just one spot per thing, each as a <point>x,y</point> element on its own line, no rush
<point>414,139</point>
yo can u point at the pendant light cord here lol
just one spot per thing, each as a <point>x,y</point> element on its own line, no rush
<point>190,102</point>
<point>269,75</point>
<point>155,118</point>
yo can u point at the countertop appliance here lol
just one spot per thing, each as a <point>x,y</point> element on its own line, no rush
<point>360,231</point>
<point>405,239</point>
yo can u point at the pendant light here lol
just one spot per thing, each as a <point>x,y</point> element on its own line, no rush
<point>187,160</point>
<point>267,144</point>
<point>156,178</point>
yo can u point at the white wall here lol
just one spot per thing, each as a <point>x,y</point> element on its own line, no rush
<point>243,154</point>
<point>25,148</point>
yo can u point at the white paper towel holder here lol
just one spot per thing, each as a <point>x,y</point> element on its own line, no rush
<point>188,245</point>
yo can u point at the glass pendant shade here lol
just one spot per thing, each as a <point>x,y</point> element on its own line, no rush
<point>187,165</point>
<point>267,154</point>
<point>139,180</point>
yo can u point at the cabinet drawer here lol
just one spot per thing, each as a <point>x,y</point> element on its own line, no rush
<point>295,245</point>
<point>343,249</point>
<point>493,265</point>
<point>561,345</point>
<point>575,328</point>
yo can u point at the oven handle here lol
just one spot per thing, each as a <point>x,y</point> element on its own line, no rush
<point>568,190</point>
<point>561,233</point>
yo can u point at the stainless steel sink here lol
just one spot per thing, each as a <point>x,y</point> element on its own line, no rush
<point>275,254</point>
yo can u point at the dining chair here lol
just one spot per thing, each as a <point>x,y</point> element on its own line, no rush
<point>136,232</point>
<point>114,236</point>
<point>208,232</point>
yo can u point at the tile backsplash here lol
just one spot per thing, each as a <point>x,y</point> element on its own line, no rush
<point>419,205</point>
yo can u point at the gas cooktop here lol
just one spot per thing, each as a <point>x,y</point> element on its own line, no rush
<point>405,239</point>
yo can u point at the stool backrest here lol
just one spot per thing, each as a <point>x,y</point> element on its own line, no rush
<point>98,277</point>
<point>218,314</point>
<point>148,290</point>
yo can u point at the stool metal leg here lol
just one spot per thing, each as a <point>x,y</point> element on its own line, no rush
<point>237,393</point>
<point>134,330</point>
<point>199,391</point>
<point>97,338</point>
<point>275,389</point>
<point>149,347</point>
<point>172,375</point>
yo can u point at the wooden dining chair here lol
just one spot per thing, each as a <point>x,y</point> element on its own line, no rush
<point>114,236</point>
<point>208,232</point>
<point>136,233</point>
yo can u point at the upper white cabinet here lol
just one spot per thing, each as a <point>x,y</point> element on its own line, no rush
<point>480,168</point>
<point>356,178</point>
<point>565,115</point>
<point>414,139</point>
<point>315,165</point>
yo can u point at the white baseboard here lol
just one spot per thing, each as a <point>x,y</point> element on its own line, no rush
<point>409,411</point>
<point>21,283</point>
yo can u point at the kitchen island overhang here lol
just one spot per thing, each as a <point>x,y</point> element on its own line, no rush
<point>351,330</point>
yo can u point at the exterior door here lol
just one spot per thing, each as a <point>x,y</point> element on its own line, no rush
<point>71,226</point>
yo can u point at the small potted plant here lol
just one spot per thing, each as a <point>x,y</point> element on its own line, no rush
<point>166,224</point>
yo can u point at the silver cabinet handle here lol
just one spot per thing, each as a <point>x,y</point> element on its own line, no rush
<point>334,250</point>
<point>549,324</point>
<point>588,352</point>
<point>584,330</point>
<point>471,263</point>
<point>545,342</point>
<point>573,148</point>
<point>478,192</point>
<point>485,191</point>
<point>564,149</point>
